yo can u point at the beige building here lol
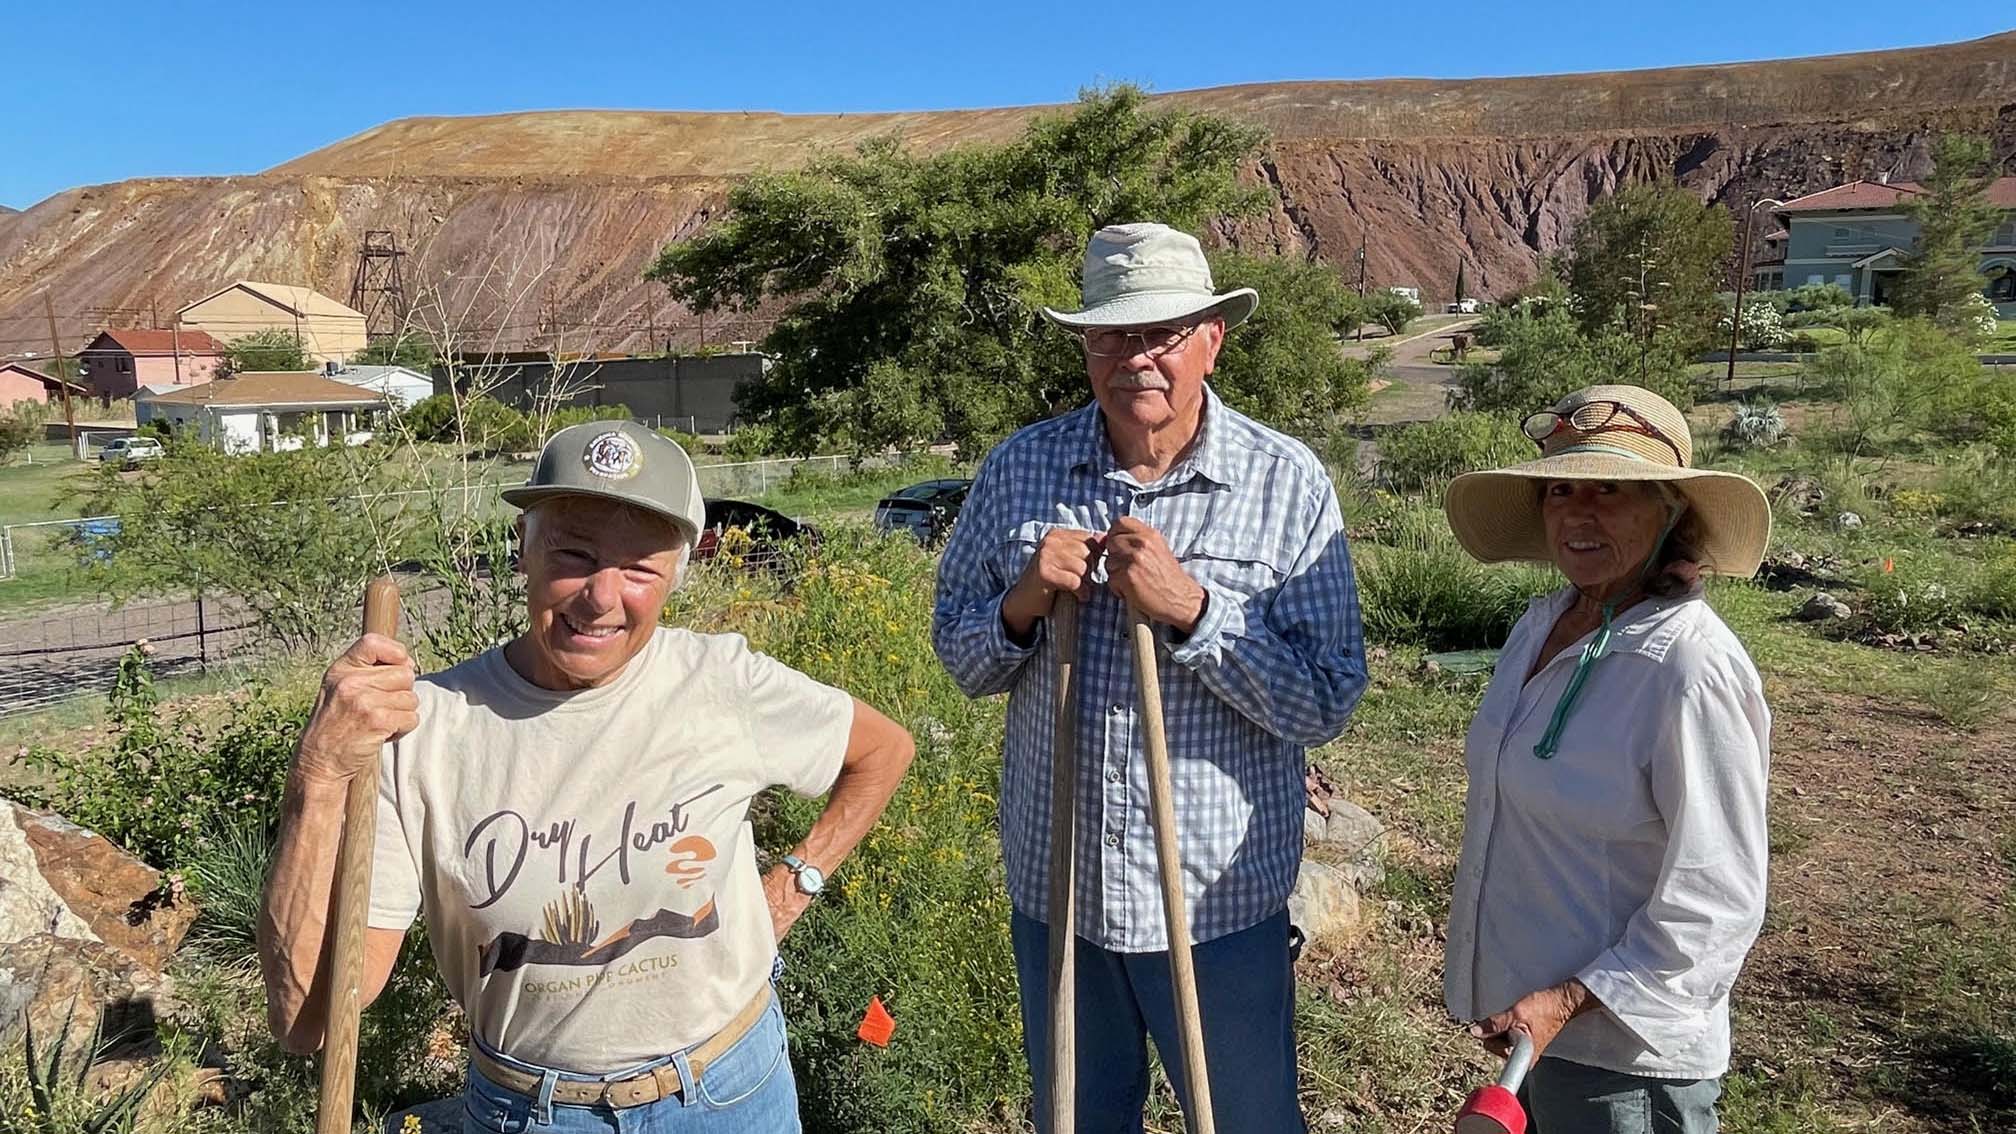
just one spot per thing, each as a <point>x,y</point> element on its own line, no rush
<point>266,411</point>
<point>330,331</point>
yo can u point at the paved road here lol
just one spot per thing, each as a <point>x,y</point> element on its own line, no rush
<point>1420,388</point>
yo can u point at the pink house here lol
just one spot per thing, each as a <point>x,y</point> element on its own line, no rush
<point>119,362</point>
<point>18,383</point>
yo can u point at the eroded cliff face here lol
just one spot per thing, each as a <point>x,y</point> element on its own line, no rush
<point>536,229</point>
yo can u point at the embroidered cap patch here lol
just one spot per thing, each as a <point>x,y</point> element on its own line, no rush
<point>614,456</point>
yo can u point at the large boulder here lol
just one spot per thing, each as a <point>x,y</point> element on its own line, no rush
<point>1324,904</point>
<point>83,924</point>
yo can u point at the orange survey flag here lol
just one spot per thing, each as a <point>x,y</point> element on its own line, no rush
<point>877,1025</point>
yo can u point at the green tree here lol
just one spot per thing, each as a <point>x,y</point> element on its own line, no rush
<point>270,349</point>
<point>1943,269</point>
<point>408,349</point>
<point>910,285</point>
<point>1391,310</point>
<point>1546,355</point>
<point>1283,365</point>
<point>21,426</point>
<point>1647,258</point>
<point>284,534</point>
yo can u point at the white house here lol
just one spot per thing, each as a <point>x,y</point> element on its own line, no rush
<point>397,384</point>
<point>264,411</point>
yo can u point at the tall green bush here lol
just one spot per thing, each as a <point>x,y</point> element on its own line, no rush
<point>169,783</point>
<point>1546,356</point>
<point>1415,456</point>
<point>1420,588</point>
<point>480,421</point>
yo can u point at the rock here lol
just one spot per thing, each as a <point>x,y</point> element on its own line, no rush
<point>1350,841</point>
<point>1803,493</point>
<point>1823,607</point>
<point>442,1116</point>
<point>1324,904</point>
<point>1847,521</point>
<point>1314,827</point>
<point>67,881</point>
<point>81,922</point>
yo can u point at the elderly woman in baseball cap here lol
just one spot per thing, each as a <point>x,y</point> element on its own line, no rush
<point>1613,868</point>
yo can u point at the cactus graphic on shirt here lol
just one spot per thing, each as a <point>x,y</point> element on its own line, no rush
<point>570,920</point>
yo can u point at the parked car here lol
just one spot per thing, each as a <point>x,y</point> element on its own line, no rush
<point>766,531</point>
<point>130,451</point>
<point>925,510</point>
<point>1462,307</point>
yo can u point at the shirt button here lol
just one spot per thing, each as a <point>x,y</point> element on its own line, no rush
<point>1113,777</point>
<point>1112,840</point>
<point>1117,708</point>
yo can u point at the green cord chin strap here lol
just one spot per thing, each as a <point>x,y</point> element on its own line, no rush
<point>1598,646</point>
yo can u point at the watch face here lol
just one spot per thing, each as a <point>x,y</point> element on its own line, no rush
<point>811,880</point>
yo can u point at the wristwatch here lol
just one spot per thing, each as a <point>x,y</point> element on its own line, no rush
<point>810,878</point>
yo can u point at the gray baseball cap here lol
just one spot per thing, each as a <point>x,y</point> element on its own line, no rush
<point>618,460</point>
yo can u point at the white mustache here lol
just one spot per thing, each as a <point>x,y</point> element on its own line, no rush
<point>1139,382</point>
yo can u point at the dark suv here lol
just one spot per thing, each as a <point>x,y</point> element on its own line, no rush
<point>924,510</point>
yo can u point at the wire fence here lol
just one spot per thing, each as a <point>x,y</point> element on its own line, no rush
<point>72,647</point>
<point>61,655</point>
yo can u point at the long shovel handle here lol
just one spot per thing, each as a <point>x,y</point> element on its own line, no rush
<point>353,903</point>
<point>1063,871</point>
<point>1169,861</point>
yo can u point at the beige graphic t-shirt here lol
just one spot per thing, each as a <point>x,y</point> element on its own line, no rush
<point>585,860</point>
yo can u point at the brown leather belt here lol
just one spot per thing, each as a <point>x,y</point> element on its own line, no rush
<point>649,1087</point>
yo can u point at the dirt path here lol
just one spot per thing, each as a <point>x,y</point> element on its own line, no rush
<point>1420,388</point>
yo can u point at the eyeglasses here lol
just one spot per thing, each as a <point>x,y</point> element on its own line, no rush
<point>1154,342</point>
<point>1594,417</point>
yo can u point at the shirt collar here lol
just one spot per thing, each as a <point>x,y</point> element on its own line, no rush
<point>1210,457</point>
<point>1648,629</point>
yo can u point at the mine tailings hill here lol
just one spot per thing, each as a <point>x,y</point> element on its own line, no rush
<point>535,228</point>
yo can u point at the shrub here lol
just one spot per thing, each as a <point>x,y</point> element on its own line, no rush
<point>1963,696</point>
<point>688,441</point>
<point>1914,597</point>
<point>168,785</point>
<point>1416,455</point>
<point>16,434</point>
<point>1547,356</point>
<point>1756,425</point>
<point>751,442</point>
<point>1993,592</point>
<point>917,916</point>
<point>1817,297</point>
<point>1763,329</point>
<point>1391,310</point>
<point>227,874</point>
<point>1977,320</point>
<point>565,416</point>
<point>483,422</point>
<point>1424,590</point>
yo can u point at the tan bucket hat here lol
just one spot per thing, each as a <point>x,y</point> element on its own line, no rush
<point>1611,433</point>
<point>1137,275</point>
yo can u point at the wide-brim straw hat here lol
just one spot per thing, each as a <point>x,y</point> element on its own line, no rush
<point>1496,514</point>
<point>1138,275</point>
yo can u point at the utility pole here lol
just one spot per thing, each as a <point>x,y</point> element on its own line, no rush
<point>154,313</point>
<point>1361,286</point>
<point>1742,277</point>
<point>62,382</point>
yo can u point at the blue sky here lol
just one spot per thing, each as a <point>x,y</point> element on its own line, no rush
<point>119,88</point>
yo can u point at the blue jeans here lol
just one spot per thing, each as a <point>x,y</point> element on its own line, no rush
<point>749,1090</point>
<point>1245,995</point>
<point>1573,1098</point>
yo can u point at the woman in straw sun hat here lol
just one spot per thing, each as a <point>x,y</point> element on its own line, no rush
<point>1613,867</point>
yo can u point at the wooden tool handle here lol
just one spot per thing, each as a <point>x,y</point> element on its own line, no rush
<point>1169,861</point>
<point>1063,871</point>
<point>353,907</point>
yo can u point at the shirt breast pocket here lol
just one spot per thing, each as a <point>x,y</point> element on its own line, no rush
<point>1250,570</point>
<point>1012,555</point>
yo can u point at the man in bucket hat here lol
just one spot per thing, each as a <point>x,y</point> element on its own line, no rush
<point>570,812</point>
<point>1226,535</point>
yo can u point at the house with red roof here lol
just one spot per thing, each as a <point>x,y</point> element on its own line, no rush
<point>1857,235</point>
<point>120,361</point>
<point>20,383</point>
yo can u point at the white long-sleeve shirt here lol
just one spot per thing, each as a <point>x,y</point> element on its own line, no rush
<point>1635,859</point>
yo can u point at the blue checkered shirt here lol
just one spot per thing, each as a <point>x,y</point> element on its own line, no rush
<point>1274,667</point>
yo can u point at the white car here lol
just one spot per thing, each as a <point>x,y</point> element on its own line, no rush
<point>130,451</point>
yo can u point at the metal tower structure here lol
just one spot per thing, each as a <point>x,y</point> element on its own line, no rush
<point>377,289</point>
